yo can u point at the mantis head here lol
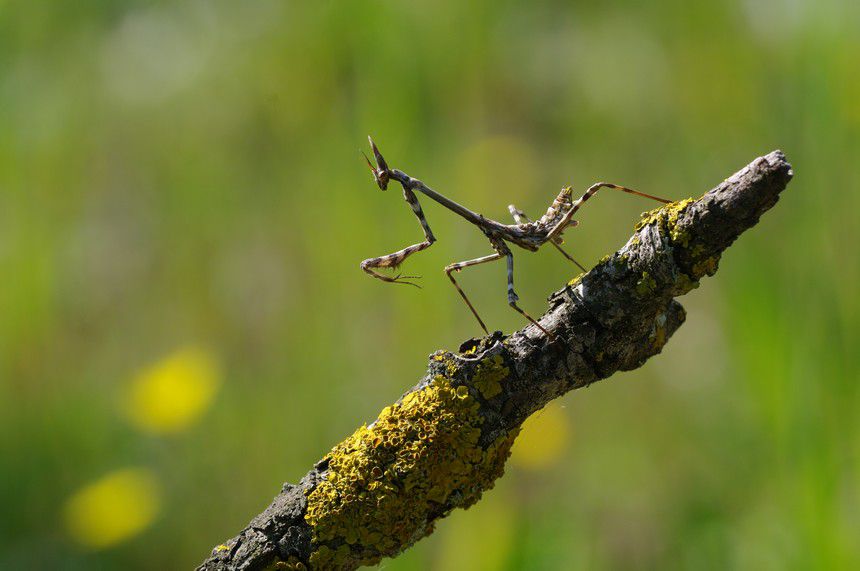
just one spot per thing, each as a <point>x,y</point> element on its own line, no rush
<point>380,171</point>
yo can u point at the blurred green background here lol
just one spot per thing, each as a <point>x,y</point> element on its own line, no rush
<point>184,326</point>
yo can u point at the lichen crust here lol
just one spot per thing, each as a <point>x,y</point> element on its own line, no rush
<point>388,482</point>
<point>699,264</point>
<point>667,217</point>
<point>489,375</point>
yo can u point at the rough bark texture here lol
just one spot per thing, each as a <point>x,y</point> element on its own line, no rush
<point>445,441</point>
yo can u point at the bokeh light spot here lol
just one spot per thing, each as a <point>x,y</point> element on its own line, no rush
<point>543,438</point>
<point>480,538</point>
<point>113,509</point>
<point>170,395</point>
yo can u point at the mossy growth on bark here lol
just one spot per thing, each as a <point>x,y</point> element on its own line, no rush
<point>388,482</point>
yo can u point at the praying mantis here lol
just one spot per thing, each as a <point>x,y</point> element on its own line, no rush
<point>527,234</point>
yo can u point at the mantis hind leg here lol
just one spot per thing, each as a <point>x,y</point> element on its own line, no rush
<point>591,191</point>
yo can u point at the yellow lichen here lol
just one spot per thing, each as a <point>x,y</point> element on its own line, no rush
<point>489,375</point>
<point>387,483</point>
<point>667,219</point>
<point>451,365</point>
<point>575,281</point>
<point>328,558</point>
<point>292,563</point>
<point>222,547</point>
<point>667,215</point>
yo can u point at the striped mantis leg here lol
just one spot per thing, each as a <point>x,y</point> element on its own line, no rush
<point>394,259</point>
<point>501,251</point>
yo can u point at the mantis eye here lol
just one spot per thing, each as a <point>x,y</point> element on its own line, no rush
<point>379,176</point>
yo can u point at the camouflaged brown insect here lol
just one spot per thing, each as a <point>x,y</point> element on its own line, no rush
<point>526,234</point>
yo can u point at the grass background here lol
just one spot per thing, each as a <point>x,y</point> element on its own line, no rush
<point>186,174</point>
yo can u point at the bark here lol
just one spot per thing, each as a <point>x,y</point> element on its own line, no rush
<point>446,439</point>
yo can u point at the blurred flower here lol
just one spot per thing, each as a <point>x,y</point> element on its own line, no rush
<point>543,438</point>
<point>112,509</point>
<point>170,395</point>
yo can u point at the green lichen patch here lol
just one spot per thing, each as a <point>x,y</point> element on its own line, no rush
<point>705,266</point>
<point>611,263</point>
<point>646,284</point>
<point>491,371</point>
<point>684,284</point>
<point>388,482</point>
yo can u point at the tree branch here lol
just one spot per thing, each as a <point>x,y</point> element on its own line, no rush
<point>446,440</point>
